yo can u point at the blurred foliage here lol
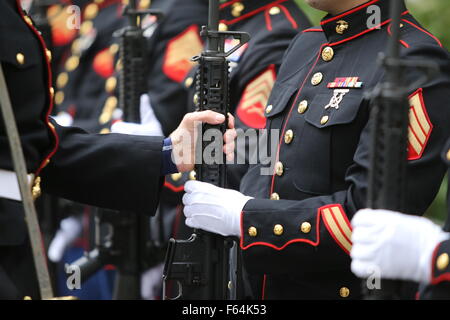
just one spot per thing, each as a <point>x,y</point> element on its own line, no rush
<point>432,14</point>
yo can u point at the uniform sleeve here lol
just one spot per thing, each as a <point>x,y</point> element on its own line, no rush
<point>119,172</point>
<point>315,234</point>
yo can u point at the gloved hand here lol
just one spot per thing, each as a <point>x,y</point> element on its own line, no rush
<point>64,119</point>
<point>399,246</point>
<point>213,209</point>
<point>69,230</point>
<point>150,126</point>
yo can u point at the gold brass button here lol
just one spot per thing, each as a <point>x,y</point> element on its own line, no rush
<point>52,92</point>
<point>105,131</point>
<point>252,232</point>
<point>144,4</point>
<point>279,168</point>
<point>108,109</point>
<point>274,11</point>
<point>91,11</point>
<point>62,80</point>
<point>51,126</point>
<point>193,175</point>
<point>76,46</point>
<point>317,78</point>
<point>236,9</point>
<point>442,261</point>
<point>274,196</point>
<point>269,108</point>
<point>59,97</point>
<point>110,84</point>
<point>48,53</point>
<point>302,107</point>
<point>119,65</point>
<point>196,99</point>
<point>223,27</point>
<point>72,63</point>
<point>36,190</point>
<point>305,227</point>
<point>176,176</point>
<point>324,120</point>
<point>344,292</point>
<point>342,26</point>
<point>448,155</point>
<point>86,27</point>
<point>28,20</point>
<point>113,48</point>
<point>20,58</point>
<point>288,136</point>
<point>278,230</point>
<point>327,54</point>
<point>188,82</point>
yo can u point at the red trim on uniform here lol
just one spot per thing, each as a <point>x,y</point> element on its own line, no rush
<point>289,16</point>
<point>314,244</point>
<point>109,267</point>
<point>310,242</point>
<point>290,112</point>
<point>424,109</point>
<point>312,30</point>
<point>349,12</point>
<point>170,186</point>
<point>49,85</point>
<point>365,31</point>
<point>424,31</point>
<point>252,13</point>
<point>227,4</point>
<point>263,293</point>
<point>268,21</point>
<point>332,233</point>
<point>403,43</point>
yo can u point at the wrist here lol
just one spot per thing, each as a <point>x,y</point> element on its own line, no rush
<point>426,260</point>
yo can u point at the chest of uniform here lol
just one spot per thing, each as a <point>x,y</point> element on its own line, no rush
<point>318,109</point>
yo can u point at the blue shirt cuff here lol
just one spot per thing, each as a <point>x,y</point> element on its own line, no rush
<point>168,166</point>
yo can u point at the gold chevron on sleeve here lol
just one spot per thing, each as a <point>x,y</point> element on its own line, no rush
<point>255,97</point>
<point>180,50</point>
<point>338,226</point>
<point>420,126</point>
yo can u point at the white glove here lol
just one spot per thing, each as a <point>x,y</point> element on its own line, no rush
<point>151,283</point>
<point>150,126</point>
<point>69,230</point>
<point>64,119</point>
<point>399,246</point>
<point>212,208</point>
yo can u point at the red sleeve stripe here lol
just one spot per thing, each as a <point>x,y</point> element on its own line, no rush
<point>338,227</point>
<point>335,221</point>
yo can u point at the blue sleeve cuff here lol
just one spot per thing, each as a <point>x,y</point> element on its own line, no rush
<point>168,166</point>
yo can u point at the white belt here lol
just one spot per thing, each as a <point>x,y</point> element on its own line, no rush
<point>9,186</point>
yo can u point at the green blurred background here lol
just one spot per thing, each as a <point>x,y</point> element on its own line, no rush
<point>434,15</point>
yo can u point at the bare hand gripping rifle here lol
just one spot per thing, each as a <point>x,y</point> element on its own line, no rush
<point>200,265</point>
<point>389,137</point>
<point>122,238</point>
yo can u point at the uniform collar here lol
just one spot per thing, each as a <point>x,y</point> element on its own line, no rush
<point>233,11</point>
<point>357,21</point>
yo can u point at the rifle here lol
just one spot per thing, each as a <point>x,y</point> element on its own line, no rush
<point>200,265</point>
<point>389,137</point>
<point>126,243</point>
